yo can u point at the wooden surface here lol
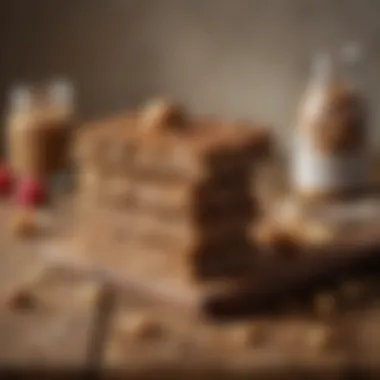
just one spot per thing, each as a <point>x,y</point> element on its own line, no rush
<point>57,332</point>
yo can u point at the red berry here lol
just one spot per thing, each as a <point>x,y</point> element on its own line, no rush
<point>6,181</point>
<point>31,192</point>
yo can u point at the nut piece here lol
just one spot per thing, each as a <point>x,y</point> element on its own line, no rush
<point>25,223</point>
<point>161,114</point>
<point>275,240</point>
<point>21,300</point>
<point>248,336</point>
<point>142,327</point>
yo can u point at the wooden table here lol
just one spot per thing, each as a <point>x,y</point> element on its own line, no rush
<point>57,332</point>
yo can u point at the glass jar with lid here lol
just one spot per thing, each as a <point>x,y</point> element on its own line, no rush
<point>329,155</point>
<point>38,129</point>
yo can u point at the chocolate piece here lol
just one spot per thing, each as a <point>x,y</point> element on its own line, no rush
<point>25,224</point>
<point>269,283</point>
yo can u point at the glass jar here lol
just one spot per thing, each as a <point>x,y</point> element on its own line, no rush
<point>39,127</point>
<point>329,156</point>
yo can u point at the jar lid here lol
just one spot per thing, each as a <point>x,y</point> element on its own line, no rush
<point>61,93</point>
<point>21,98</point>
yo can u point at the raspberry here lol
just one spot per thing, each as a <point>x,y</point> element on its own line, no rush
<point>6,181</point>
<point>31,192</point>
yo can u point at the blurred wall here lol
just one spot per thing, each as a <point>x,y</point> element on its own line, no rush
<point>234,58</point>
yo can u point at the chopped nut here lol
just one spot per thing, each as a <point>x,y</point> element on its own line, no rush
<point>25,223</point>
<point>142,327</point>
<point>274,239</point>
<point>325,305</point>
<point>30,222</point>
<point>161,114</point>
<point>21,300</point>
<point>248,335</point>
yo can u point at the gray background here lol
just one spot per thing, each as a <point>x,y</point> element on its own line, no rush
<point>232,58</point>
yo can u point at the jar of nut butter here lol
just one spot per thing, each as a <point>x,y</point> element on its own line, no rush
<point>329,156</point>
<point>39,126</point>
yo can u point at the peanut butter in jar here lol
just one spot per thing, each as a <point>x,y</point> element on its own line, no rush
<point>39,127</point>
<point>329,157</point>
